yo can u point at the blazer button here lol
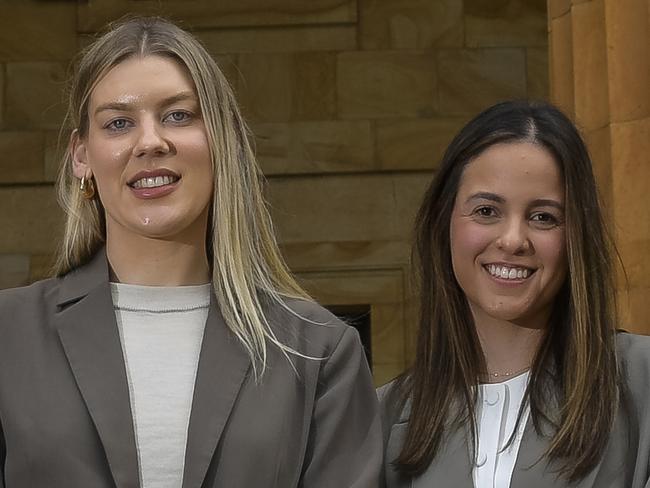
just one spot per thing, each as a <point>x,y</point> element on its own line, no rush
<point>482,459</point>
<point>492,398</point>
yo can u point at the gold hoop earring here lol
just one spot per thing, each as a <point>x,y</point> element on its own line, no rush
<point>87,187</point>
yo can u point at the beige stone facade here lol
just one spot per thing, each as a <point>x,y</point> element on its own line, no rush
<point>600,74</point>
<point>352,103</point>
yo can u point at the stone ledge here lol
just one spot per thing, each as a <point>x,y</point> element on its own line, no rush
<point>201,14</point>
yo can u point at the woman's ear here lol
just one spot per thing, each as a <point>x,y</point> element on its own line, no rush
<point>79,156</point>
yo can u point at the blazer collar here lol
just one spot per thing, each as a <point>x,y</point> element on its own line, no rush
<point>451,467</point>
<point>88,330</point>
<point>224,365</point>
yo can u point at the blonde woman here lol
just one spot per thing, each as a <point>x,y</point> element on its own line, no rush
<point>520,379</point>
<point>173,348</point>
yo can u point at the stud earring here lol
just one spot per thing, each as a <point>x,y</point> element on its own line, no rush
<point>87,187</point>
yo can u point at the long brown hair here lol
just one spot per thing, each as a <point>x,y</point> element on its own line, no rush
<point>247,267</point>
<point>573,387</point>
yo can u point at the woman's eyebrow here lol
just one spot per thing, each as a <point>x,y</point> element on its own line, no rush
<point>546,202</point>
<point>128,106</point>
<point>179,97</point>
<point>484,195</point>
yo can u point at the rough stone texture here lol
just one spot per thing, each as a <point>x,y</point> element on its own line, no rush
<point>14,270</point>
<point>414,143</point>
<point>505,23</point>
<point>608,42</point>
<point>410,24</point>
<point>287,39</point>
<point>388,340</point>
<point>634,254</point>
<point>346,208</point>
<point>225,13</point>
<point>561,63</point>
<point>21,157</point>
<point>2,95</point>
<point>265,88</point>
<point>31,216</point>
<point>228,66</point>
<point>537,77</point>
<point>590,64</point>
<point>40,267</point>
<point>599,143</point>
<point>305,256</point>
<point>314,87</point>
<point>314,147</point>
<point>386,84</point>
<point>628,44</point>
<point>634,305</point>
<point>46,30</point>
<point>472,79</point>
<point>631,179</point>
<point>557,8</point>
<point>34,95</point>
<point>281,87</point>
<point>55,146</point>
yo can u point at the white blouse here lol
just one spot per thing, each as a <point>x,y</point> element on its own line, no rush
<point>498,408</point>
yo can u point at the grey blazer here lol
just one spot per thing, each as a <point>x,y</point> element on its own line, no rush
<point>623,465</point>
<point>65,417</point>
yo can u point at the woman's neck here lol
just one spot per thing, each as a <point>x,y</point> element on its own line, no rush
<point>140,260</point>
<point>509,348</point>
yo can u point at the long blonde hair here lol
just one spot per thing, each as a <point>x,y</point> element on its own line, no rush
<point>247,267</point>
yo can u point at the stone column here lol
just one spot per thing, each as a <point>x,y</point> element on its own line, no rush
<point>600,75</point>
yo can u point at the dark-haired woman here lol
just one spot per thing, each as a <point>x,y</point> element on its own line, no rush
<point>520,379</point>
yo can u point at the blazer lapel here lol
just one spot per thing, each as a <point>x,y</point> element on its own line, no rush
<point>88,331</point>
<point>223,367</point>
<point>452,467</point>
<point>532,470</point>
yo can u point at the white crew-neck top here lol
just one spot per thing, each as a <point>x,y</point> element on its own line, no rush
<point>498,408</point>
<point>161,329</point>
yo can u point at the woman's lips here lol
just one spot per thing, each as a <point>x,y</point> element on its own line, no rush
<point>154,184</point>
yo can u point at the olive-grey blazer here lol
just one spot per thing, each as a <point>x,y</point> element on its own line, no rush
<point>65,417</point>
<point>624,464</point>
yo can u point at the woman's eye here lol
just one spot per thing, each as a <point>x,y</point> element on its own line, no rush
<point>544,219</point>
<point>117,124</point>
<point>178,116</point>
<point>485,212</point>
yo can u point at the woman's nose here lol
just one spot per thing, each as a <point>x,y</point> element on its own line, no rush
<point>151,140</point>
<point>514,238</point>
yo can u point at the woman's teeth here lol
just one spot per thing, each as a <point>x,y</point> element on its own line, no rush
<point>508,273</point>
<point>154,181</point>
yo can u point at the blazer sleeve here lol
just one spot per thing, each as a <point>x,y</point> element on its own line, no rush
<point>344,448</point>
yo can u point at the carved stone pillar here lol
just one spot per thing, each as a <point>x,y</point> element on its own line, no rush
<point>600,75</point>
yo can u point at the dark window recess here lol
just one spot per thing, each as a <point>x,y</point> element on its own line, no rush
<point>358,316</point>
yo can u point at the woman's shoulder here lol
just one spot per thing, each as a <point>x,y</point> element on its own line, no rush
<point>305,323</point>
<point>633,350</point>
<point>27,296</point>
<point>394,404</point>
<point>634,365</point>
<point>24,307</point>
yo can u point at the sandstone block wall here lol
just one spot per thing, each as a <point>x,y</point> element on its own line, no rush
<point>352,103</point>
<point>600,74</point>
